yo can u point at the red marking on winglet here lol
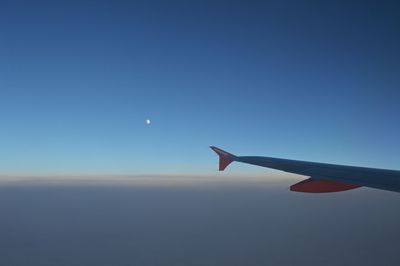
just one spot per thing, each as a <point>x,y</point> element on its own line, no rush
<point>225,158</point>
<point>313,185</point>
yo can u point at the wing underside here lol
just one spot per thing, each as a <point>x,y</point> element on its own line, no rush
<point>313,185</point>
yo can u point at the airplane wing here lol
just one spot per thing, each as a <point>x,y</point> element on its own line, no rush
<point>322,177</point>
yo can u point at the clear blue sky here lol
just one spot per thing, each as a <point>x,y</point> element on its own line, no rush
<point>295,79</point>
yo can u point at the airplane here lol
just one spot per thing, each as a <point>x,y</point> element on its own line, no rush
<point>323,177</point>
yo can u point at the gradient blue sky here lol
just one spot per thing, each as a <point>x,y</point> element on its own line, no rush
<point>306,80</point>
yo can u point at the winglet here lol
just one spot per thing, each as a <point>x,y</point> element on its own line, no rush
<point>225,158</point>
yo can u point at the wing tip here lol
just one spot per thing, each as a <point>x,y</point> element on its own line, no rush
<point>225,158</point>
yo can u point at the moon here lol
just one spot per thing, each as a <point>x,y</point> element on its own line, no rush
<point>148,121</point>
